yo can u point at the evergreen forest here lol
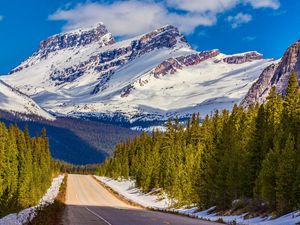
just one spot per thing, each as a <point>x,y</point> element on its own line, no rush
<point>26,168</point>
<point>250,155</point>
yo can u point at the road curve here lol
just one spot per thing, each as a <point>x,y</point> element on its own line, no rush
<point>88,203</point>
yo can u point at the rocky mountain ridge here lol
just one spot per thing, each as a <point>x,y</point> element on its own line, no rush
<point>149,77</point>
<point>277,74</point>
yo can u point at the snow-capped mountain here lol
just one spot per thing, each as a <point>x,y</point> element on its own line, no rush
<point>150,77</point>
<point>14,101</point>
<point>277,74</point>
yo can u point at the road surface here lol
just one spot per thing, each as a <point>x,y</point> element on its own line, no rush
<point>88,203</point>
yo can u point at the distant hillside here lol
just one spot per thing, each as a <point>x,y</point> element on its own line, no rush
<point>76,141</point>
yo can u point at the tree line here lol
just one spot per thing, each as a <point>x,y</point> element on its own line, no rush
<point>248,155</point>
<point>26,168</point>
<point>69,168</point>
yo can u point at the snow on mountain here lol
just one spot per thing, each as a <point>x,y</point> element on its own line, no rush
<point>277,74</point>
<point>149,77</point>
<point>16,102</point>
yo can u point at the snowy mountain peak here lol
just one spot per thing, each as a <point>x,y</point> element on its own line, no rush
<point>148,77</point>
<point>167,33</point>
<point>76,38</point>
<point>95,35</point>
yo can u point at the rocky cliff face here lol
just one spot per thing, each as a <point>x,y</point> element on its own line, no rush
<point>172,65</point>
<point>276,75</point>
<point>243,58</point>
<point>75,39</point>
<point>290,62</point>
<point>261,87</point>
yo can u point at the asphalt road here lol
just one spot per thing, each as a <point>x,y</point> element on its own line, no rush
<point>88,203</point>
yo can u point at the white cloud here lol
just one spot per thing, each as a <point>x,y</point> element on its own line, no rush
<point>218,6</point>
<point>250,38</point>
<point>202,6</point>
<point>239,19</point>
<point>129,18</point>
<point>273,4</point>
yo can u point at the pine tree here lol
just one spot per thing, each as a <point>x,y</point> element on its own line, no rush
<point>25,169</point>
<point>285,176</point>
<point>11,172</point>
<point>265,188</point>
<point>292,105</point>
<point>296,189</point>
<point>2,158</point>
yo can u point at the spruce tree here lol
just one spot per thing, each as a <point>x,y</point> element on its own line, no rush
<point>285,176</point>
<point>25,169</point>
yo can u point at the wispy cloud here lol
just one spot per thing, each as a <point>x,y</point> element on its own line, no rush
<point>1,18</point>
<point>128,18</point>
<point>239,19</point>
<point>273,4</point>
<point>250,38</point>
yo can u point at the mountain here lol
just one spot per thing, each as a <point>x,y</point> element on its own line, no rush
<point>72,140</point>
<point>150,77</point>
<point>15,102</point>
<point>277,74</point>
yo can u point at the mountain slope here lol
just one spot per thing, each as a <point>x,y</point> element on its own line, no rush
<point>277,75</point>
<point>15,102</point>
<point>149,77</point>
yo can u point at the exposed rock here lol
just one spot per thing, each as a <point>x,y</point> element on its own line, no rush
<point>243,58</point>
<point>290,62</point>
<point>275,75</point>
<point>195,59</point>
<point>260,89</point>
<point>75,39</point>
<point>78,38</point>
<point>102,84</point>
<point>126,91</point>
<point>168,66</point>
<point>171,66</point>
<point>167,36</point>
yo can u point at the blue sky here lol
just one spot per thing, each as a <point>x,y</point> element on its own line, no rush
<point>268,26</point>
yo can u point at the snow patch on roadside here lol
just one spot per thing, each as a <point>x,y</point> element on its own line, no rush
<point>289,219</point>
<point>127,189</point>
<point>28,214</point>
